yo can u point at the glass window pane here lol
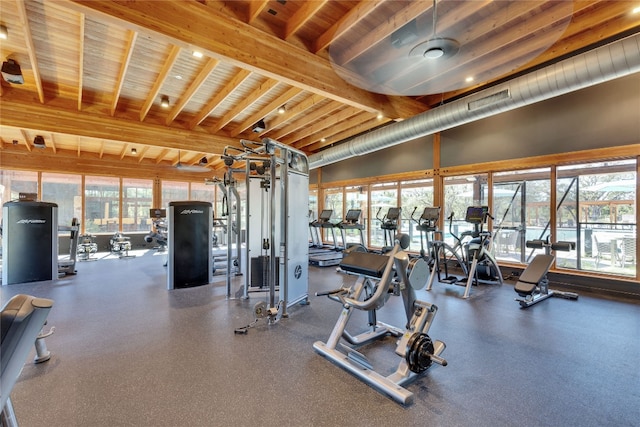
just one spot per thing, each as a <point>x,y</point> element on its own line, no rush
<point>460,192</point>
<point>12,183</point>
<point>414,197</point>
<point>356,198</point>
<point>383,197</point>
<point>521,208</point>
<point>102,204</point>
<point>597,210</point>
<point>174,191</point>
<point>333,201</point>
<point>66,191</point>
<point>137,197</point>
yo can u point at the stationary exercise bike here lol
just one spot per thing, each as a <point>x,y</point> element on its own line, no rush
<point>378,278</point>
<point>533,284</point>
<point>120,245</point>
<point>87,247</point>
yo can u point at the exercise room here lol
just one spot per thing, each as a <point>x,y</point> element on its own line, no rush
<point>319,213</point>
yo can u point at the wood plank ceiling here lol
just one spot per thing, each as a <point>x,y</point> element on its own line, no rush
<point>96,72</point>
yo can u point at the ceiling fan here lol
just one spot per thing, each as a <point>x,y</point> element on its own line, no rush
<point>201,166</point>
<point>413,48</point>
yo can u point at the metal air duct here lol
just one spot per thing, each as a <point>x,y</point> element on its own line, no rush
<point>609,62</point>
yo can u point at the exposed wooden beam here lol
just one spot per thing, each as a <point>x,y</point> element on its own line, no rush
<point>220,96</point>
<point>162,155</point>
<point>81,61</point>
<point>333,120</point>
<point>255,8</point>
<point>25,136</point>
<point>172,56</point>
<point>270,107</point>
<point>381,32</point>
<point>256,94</point>
<point>249,48</point>
<point>125,148</point>
<point>326,109</point>
<point>193,88</point>
<point>31,49</point>
<point>53,142</point>
<point>293,112</point>
<point>301,16</point>
<point>360,11</point>
<point>124,65</point>
<point>142,152</point>
<point>29,115</point>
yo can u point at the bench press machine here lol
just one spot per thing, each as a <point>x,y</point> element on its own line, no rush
<point>379,277</point>
<point>533,284</point>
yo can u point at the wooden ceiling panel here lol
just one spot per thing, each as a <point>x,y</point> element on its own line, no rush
<point>95,72</point>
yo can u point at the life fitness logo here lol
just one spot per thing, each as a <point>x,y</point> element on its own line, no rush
<point>191,212</point>
<point>32,221</point>
<point>298,271</point>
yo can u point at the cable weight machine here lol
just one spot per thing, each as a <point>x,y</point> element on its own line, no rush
<point>276,178</point>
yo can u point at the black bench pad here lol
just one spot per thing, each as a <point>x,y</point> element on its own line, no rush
<point>364,263</point>
<point>532,275</point>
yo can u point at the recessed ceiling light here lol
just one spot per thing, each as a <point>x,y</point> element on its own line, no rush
<point>178,77</point>
<point>469,79</point>
<point>164,101</point>
<point>636,10</point>
<point>323,139</point>
<point>282,110</point>
<point>134,151</point>
<point>4,33</point>
<point>197,54</point>
<point>379,116</point>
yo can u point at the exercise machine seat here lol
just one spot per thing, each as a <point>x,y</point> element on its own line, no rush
<point>532,275</point>
<point>365,263</point>
<point>21,321</point>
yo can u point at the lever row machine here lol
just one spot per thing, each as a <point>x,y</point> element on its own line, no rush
<point>533,284</point>
<point>374,285</point>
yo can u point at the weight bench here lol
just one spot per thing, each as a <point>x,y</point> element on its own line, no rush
<point>379,277</point>
<point>21,321</point>
<point>533,285</point>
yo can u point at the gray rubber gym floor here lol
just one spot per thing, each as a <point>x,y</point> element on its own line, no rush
<point>128,352</point>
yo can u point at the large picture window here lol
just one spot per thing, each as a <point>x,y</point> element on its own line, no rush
<point>102,204</point>
<point>596,209</point>
<point>66,191</point>
<point>137,199</point>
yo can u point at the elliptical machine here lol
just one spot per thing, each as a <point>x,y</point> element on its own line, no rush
<point>389,225</point>
<point>475,259</point>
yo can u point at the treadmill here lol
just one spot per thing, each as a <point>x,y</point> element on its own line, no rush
<point>324,255</point>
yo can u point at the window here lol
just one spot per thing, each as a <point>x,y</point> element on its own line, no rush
<point>461,192</point>
<point>414,197</point>
<point>596,209</point>
<point>102,204</point>
<point>333,201</point>
<point>356,198</point>
<point>203,192</point>
<point>174,191</point>
<point>12,183</point>
<point>521,208</point>
<point>137,197</point>
<point>65,191</point>
<point>383,197</point>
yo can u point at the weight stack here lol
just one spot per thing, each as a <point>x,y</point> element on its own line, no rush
<point>190,261</point>
<point>29,242</point>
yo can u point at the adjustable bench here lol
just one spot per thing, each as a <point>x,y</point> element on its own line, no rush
<point>533,285</point>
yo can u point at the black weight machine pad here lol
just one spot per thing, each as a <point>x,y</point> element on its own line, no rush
<point>365,263</point>
<point>532,275</point>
